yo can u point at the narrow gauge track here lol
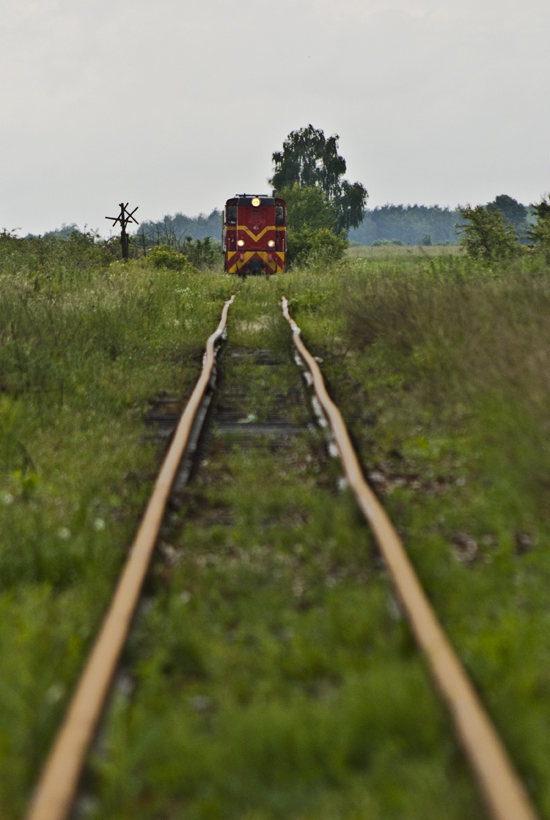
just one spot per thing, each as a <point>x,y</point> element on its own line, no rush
<point>503,792</point>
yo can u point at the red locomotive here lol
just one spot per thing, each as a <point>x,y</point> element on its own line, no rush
<point>254,235</point>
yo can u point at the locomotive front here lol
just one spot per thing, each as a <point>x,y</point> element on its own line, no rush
<point>254,235</point>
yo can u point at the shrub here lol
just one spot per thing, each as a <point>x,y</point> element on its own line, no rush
<point>539,234</point>
<point>162,256</point>
<point>201,253</point>
<point>55,253</point>
<point>309,246</point>
<point>487,235</point>
<point>383,242</point>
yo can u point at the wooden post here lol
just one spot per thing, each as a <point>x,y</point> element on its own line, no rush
<point>123,219</point>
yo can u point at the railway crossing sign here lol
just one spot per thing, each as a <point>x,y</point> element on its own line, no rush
<point>123,219</point>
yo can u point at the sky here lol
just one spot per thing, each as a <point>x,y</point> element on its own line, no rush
<point>175,106</point>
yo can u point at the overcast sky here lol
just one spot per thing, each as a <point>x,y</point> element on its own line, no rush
<point>175,105</point>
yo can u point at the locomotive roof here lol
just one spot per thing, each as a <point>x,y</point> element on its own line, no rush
<point>246,199</point>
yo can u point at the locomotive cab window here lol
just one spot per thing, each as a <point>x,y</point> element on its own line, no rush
<point>279,215</point>
<point>231,218</point>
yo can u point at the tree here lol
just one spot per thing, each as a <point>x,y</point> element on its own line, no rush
<point>307,207</point>
<point>513,211</point>
<point>539,234</point>
<point>310,223</point>
<point>487,234</point>
<point>311,160</point>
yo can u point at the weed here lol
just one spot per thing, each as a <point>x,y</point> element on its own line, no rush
<point>84,345</point>
<point>271,675</point>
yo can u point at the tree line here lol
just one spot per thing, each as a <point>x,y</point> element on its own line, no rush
<point>325,211</point>
<point>406,224</point>
<point>433,225</point>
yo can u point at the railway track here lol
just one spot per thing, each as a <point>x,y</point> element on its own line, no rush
<point>280,419</point>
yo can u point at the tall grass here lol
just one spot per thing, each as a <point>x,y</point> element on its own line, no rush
<point>84,346</point>
<point>478,342</point>
<point>441,368</point>
<point>271,675</point>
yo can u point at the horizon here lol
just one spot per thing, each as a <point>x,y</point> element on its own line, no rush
<point>433,101</point>
<point>206,215</point>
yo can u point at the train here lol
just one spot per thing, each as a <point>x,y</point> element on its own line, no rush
<point>254,235</point>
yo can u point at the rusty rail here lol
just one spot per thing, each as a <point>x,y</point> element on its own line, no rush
<point>500,785</point>
<point>58,785</point>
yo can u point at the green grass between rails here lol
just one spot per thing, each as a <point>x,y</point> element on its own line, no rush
<point>271,674</point>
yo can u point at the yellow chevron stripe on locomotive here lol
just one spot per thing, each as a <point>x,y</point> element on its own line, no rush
<point>236,261</point>
<point>253,236</point>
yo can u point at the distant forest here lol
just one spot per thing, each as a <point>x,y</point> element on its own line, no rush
<point>410,224</point>
<point>407,224</point>
<point>181,226</point>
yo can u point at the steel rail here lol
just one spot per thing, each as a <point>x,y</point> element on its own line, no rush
<point>57,787</point>
<point>502,789</point>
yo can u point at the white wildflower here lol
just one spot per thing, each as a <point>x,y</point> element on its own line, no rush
<point>55,693</point>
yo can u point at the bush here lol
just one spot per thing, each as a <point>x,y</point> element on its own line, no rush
<point>55,254</point>
<point>487,235</point>
<point>383,242</point>
<point>317,247</point>
<point>201,253</point>
<point>539,234</point>
<point>162,256</point>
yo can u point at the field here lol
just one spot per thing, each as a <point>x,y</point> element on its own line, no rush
<point>395,252</point>
<point>270,673</point>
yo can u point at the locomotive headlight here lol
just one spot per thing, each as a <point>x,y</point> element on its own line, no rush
<point>255,202</point>
<point>240,243</point>
<point>271,244</point>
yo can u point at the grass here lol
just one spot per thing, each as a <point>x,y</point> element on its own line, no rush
<point>376,253</point>
<point>83,351</point>
<point>441,371</point>
<point>270,673</point>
